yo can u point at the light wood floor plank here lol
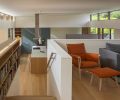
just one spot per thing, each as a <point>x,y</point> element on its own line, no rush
<point>26,83</point>
<point>82,90</point>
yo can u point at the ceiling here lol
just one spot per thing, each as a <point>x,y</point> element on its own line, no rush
<point>30,7</point>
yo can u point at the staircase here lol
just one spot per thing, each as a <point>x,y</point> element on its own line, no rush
<point>30,98</point>
<point>50,61</point>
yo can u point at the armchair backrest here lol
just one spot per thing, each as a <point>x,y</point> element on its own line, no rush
<point>77,49</point>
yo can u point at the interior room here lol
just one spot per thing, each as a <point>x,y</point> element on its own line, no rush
<point>59,50</point>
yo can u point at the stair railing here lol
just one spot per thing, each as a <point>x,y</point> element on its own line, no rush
<point>50,61</point>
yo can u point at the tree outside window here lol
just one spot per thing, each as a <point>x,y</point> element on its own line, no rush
<point>94,30</point>
<point>115,15</point>
<point>103,16</point>
<point>94,17</point>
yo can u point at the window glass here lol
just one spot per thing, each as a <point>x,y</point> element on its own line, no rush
<point>115,15</point>
<point>106,30</point>
<point>112,33</point>
<point>94,30</point>
<point>94,17</point>
<point>103,16</point>
<point>106,33</point>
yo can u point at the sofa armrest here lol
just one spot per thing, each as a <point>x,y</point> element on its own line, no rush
<point>109,58</point>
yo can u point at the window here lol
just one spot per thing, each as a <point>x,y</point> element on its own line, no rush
<point>115,15</point>
<point>112,33</point>
<point>103,16</point>
<point>94,30</point>
<point>94,17</point>
<point>106,30</point>
<point>107,33</point>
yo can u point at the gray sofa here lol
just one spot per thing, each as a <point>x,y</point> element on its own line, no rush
<point>110,56</point>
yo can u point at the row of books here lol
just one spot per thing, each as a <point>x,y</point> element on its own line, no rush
<point>7,83</point>
<point>7,72</point>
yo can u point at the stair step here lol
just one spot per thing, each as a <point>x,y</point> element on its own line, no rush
<point>30,98</point>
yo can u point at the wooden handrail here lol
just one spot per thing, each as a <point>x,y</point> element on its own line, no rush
<point>50,61</point>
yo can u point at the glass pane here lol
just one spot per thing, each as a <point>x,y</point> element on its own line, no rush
<point>112,31</point>
<point>94,30</point>
<point>106,30</point>
<point>100,30</point>
<point>104,16</point>
<point>94,17</point>
<point>115,15</point>
<point>106,33</point>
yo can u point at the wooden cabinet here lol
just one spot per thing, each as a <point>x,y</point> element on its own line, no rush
<point>9,61</point>
<point>38,62</point>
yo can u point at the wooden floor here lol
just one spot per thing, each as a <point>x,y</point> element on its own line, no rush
<point>82,90</point>
<point>26,83</point>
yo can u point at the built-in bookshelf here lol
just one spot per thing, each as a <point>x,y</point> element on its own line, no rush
<point>17,32</point>
<point>9,61</point>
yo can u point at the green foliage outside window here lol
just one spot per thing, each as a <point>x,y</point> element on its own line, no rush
<point>115,15</point>
<point>94,17</point>
<point>112,31</point>
<point>106,30</point>
<point>104,16</point>
<point>94,30</point>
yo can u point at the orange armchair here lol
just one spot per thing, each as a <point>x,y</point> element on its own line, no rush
<point>82,59</point>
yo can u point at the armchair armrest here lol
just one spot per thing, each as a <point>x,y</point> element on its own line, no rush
<point>92,57</point>
<point>109,58</point>
<point>76,60</point>
<point>76,56</point>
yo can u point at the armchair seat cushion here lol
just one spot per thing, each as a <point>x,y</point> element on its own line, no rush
<point>89,64</point>
<point>85,64</point>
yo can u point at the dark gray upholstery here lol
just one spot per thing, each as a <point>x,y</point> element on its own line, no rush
<point>113,47</point>
<point>81,36</point>
<point>109,58</point>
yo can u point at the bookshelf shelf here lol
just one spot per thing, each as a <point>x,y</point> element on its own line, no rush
<point>17,32</point>
<point>9,61</point>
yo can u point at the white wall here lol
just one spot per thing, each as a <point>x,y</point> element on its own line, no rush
<point>61,32</point>
<point>60,76</point>
<point>24,21</point>
<point>105,24</point>
<point>54,20</point>
<point>91,45</point>
<point>4,25</point>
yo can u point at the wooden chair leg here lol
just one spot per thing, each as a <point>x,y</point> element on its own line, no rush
<point>91,80</point>
<point>116,81</point>
<point>100,84</point>
<point>79,73</point>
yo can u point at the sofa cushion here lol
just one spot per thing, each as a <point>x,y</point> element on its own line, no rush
<point>113,47</point>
